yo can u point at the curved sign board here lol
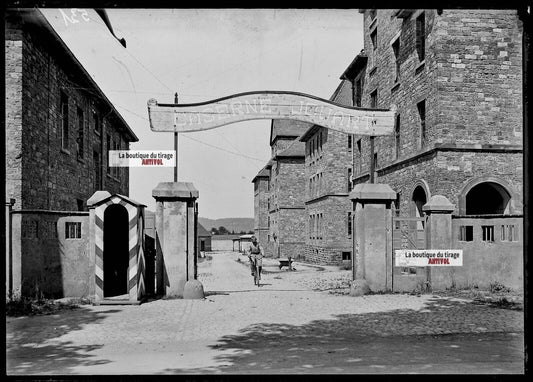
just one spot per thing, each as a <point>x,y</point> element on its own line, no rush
<point>269,105</point>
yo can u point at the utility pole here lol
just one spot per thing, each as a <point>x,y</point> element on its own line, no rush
<point>176,144</point>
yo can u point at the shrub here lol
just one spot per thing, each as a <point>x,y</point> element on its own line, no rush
<point>496,287</point>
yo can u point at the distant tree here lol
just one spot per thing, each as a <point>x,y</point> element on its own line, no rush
<point>242,232</point>
<point>251,232</point>
<point>223,230</point>
<point>214,231</point>
<point>232,232</point>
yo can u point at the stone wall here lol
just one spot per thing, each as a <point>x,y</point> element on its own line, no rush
<point>261,195</point>
<point>447,173</point>
<point>479,77</point>
<point>486,263</point>
<point>46,262</point>
<point>13,112</point>
<point>470,80</point>
<point>43,172</point>
<point>326,243</point>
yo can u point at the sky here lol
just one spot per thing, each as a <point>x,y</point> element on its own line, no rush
<point>204,54</point>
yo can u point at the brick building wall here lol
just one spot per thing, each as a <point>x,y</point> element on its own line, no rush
<point>470,80</point>
<point>46,171</point>
<point>261,207</point>
<point>328,236</point>
<point>13,113</point>
<point>328,164</point>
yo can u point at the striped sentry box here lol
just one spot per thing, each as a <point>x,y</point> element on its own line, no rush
<point>136,265</point>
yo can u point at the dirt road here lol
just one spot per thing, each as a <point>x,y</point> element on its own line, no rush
<point>281,327</point>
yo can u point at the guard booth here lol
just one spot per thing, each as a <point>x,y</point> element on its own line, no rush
<point>116,225</point>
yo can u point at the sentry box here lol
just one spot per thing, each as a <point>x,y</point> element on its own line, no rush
<point>116,225</point>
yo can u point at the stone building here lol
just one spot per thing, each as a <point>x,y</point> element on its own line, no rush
<point>261,184</point>
<point>279,193</point>
<point>456,79</point>
<point>59,128</point>
<point>328,165</point>
<point>59,124</point>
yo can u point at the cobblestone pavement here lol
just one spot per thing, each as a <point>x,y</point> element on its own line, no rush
<point>281,327</point>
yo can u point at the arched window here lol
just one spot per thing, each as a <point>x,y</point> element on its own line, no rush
<point>487,198</point>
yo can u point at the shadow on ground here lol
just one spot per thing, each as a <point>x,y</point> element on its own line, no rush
<point>445,336</point>
<point>35,351</point>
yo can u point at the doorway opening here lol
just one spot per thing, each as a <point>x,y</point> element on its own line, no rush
<point>116,254</point>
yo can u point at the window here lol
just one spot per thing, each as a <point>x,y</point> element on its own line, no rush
<point>488,232</point>
<point>97,124</point>
<point>81,138</point>
<point>509,233</point>
<point>79,203</point>
<point>72,230</point>
<point>349,224</point>
<point>358,91</point>
<point>396,50</point>
<point>375,160</point>
<point>349,179</point>
<point>97,171</point>
<point>409,271</point>
<point>64,121</point>
<point>466,233</point>
<point>107,153</point>
<point>374,38</point>
<point>359,157</point>
<point>116,146</point>
<point>346,256</point>
<point>422,113</point>
<point>350,141</point>
<point>421,36</point>
<point>374,99</point>
<point>397,142</point>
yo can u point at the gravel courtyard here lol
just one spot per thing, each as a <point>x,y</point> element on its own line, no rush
<point>284,326</point>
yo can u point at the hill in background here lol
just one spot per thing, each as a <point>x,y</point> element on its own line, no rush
<point>231,224</point>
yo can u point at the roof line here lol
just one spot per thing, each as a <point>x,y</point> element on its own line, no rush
<point>87,75</point>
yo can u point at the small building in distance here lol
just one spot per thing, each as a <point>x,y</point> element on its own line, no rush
<point>204,239</point>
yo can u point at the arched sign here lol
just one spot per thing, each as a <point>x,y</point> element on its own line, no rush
<point>269,105</point>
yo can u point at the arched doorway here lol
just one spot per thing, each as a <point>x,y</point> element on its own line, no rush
<point>419,199</point>
<point>116,254</point>
<point>487,198</point>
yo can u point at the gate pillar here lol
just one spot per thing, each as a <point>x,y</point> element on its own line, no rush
<point>439,236</point>
<point>372,237</point>
<point>175,236</point>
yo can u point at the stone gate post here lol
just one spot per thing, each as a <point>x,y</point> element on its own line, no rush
<point>174,226</point>
<point>438,211</point>
<point>372,237</point>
